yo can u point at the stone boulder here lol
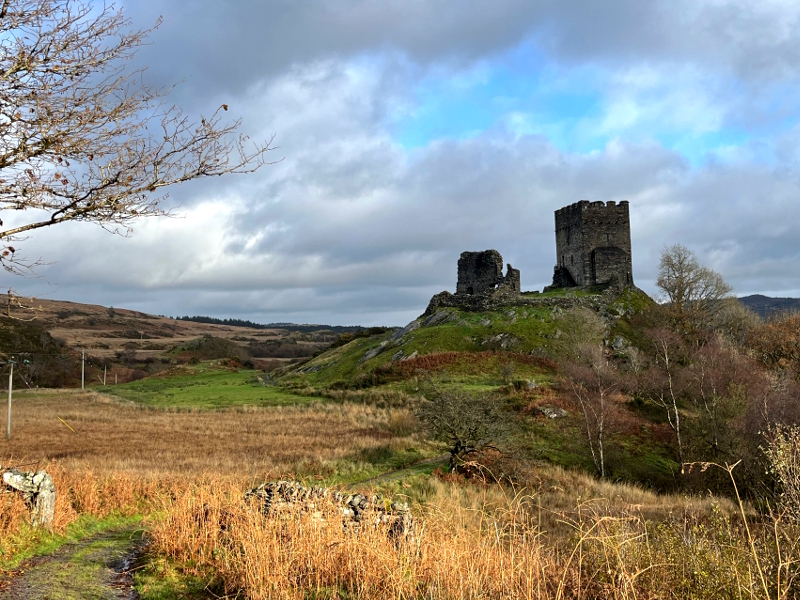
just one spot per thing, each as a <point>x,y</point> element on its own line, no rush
<point>38,491</point>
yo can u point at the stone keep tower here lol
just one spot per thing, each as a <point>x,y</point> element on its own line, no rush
<point>593,245</point>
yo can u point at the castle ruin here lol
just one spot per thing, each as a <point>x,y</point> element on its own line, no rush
<point>593,245</point>
<point>593,248</point>
<point>480,272</point>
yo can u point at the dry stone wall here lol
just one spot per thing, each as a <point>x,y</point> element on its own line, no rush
<point>356,510</point>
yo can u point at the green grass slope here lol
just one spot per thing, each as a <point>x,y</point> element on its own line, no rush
<point>509,356</point>
<point>526,330</point>
<point>204,386</point>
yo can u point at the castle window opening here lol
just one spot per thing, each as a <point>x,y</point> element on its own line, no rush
<point>608,237</point>
<point>571,260</point>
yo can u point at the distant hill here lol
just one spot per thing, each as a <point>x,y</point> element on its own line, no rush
<point>766,307</point>
<point>305,328</point>
<point>62,329</point>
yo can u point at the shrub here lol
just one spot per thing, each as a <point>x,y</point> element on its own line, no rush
<point>783,454</point>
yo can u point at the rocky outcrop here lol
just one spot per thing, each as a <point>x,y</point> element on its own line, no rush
<point>374,351</point>
<point>38,491</point>
<point>356,510</point>
<point>499,300</point>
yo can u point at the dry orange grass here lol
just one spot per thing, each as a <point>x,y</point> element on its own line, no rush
<point>189,470</point>
<point>88,430</point>
<point>470,542</point>
<point>108,457</point>
<point>300,554</point>
<point>82,492</point>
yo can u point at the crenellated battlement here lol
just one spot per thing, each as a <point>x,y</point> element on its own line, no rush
<point>583,205</point>
<point>593,248</point>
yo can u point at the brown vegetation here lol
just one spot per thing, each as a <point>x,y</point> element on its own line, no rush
<point>82,431</point>
<point>776,343</point>
<point>566,535</point>
<point>113,336</point>
<point>480,542</point>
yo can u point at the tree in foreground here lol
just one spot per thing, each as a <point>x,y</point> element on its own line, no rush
<point>694,293</point>
<point>463,423</point>
<point>82,137</point>
<point>664,384</point>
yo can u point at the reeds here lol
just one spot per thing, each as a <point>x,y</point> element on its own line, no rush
<point>306,553</point>
<point>473,542</point>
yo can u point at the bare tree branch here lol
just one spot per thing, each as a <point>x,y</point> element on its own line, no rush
<point>82,136</point>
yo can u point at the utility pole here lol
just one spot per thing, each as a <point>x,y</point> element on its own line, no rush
<point>10,382</point>
<point>83,366</point>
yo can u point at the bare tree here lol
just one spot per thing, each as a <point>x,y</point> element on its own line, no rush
<point>694,293</point>
<point>664,384</point>
<point>463,423</point>
<point>734,321</point>
<point>776,343</point>
<point>82,136</point>
<point>593,380</point>
<point>721,378</point>
<point>578,328</point>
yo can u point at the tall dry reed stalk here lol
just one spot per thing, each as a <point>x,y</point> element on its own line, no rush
<point>302,553</point>
<point>468,550</point>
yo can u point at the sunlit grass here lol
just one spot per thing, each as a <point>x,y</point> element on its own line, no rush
<point>212,388</point>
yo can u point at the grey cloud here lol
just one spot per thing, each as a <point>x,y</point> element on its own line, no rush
<point>229,45</point>
<point>372,264</point>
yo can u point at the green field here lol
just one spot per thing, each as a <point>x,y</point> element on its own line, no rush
<point>205,388</point>
<point>494,354</point>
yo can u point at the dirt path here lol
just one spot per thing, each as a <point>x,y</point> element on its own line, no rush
<point>417,467</point>
<point>96,568</point>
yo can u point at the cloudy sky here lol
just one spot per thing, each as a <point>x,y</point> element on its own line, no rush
<point>412,130</point>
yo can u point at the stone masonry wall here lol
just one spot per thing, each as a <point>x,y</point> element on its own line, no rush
<point>511,282</point>
<point>569,241</point>
<point>481,272</point>
<point>593,243</point>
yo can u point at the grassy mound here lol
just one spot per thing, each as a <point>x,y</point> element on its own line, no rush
<point>530,329</point>
<point>209,348</point>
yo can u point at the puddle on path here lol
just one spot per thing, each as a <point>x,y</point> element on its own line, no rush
<point>93,569</point>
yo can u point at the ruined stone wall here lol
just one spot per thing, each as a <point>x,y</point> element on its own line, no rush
<point>479,272</point>
<point>482,272</point>
<point>355,510</point>
<point>593,242</point>
<point>511,282</point>
<point>569,241</point>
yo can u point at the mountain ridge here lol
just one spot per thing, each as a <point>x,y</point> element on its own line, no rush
<point>768,306</point>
